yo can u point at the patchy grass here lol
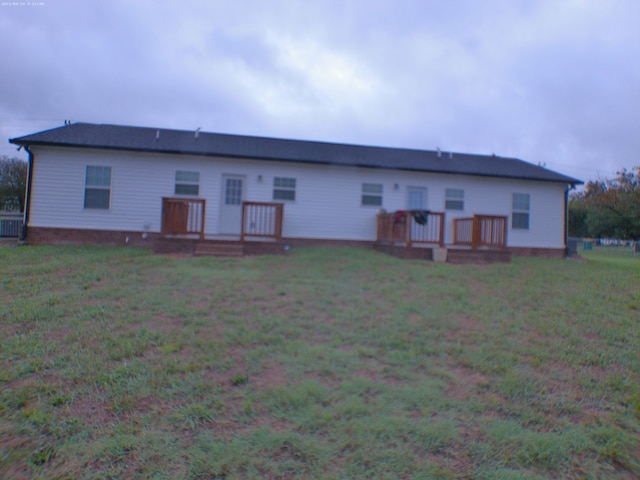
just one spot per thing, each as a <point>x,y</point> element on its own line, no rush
<point>326,363</point>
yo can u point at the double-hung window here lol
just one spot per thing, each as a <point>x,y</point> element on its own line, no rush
<point>372,194</point>
<point>454,199</point>
<point>520,211</point>
<point>187,183</point>
<point>284,188</point>
<point>97,187</point>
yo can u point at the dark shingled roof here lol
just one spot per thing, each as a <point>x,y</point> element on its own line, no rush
<point>142,139</point>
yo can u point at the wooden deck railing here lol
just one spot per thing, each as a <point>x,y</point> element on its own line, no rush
<point>262,219</point>
<point>183,216</point>
<point>402,227</point>
<point>463,231</point>
<point>481,231</point>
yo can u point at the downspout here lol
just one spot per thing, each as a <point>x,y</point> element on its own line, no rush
<point>566,218</point>
<point>27,195</point>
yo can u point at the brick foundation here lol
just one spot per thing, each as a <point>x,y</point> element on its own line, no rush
<point>478,257</point>
<point>538,252</point>
<point>75,236</point>
<point>159,244</point>
<point>326,242</point>
<point>404,253</point>
<point>185,246</point>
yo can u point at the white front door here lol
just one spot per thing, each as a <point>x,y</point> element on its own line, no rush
<point>416,198</point>
<point>231,205</point>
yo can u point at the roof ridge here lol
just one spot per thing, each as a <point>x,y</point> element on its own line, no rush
<point>141,138</point>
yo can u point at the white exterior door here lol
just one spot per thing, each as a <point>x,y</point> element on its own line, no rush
<point>231,205</point>
<point>416,198</point>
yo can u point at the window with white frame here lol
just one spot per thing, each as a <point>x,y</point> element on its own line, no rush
<point>284,188</point>
<point>187,183</point>
<point>454,199</point>
<point>520,211</point>
<point>97,187</point>
<point>372,194</point>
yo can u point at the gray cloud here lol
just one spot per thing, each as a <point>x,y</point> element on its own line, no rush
<point>546,81</point>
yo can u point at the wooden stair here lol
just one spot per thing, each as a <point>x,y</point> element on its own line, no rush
<point>478,256</point>
<point>219,249</point>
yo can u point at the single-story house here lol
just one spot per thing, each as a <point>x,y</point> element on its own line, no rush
<point>111,184</point>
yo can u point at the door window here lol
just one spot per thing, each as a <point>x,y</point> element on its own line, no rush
<point>416,199</point>
<point>233,191</point>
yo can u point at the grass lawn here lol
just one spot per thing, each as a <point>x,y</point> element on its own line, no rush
<point>325,363</point>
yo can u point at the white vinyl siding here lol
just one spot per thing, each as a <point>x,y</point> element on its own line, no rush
<point>97,187</point>
<point>520,211</point>
<point>328,207</point>
<point>372,194</point>
<point>454,199</point>
<point>284,188</point>
<point>187,183</point>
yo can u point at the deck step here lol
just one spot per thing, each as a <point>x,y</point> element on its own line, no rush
<point>219,249</point>
<point>480,256</point>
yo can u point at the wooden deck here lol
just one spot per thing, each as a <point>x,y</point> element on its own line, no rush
<point>216,247</point>
<point>185,217</point>
<point>238,248</point>
<point>481,231</point>
<point>478,256</point>
<point>479,239</point>
<point>410,227</point>
<point>183,230</point>
<point>403,234</point>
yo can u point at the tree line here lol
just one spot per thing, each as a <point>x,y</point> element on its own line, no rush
<point>13,181</point>
<point>608,208</point>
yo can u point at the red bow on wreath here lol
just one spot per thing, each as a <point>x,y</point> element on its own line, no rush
<point>399,216</point>
<point>420,216</point>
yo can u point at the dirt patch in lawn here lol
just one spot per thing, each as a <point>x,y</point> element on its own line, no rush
<point>465,383</point>
<point>92,411</point>
<point>464,330</point>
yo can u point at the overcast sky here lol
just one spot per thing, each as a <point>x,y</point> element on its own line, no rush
<point>555,82</point>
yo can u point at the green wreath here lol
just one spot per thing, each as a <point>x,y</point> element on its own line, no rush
<point>420,216</point>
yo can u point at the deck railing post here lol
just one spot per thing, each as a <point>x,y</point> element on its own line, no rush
<point>244,216</point>
<point>504,232</point>
<point>204,207</point>
<point>475,232</point>
<point>455,232</point>
<point>391,222</point>
<point>279,211</point>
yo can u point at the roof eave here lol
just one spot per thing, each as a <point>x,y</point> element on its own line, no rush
<point>24,142</point>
